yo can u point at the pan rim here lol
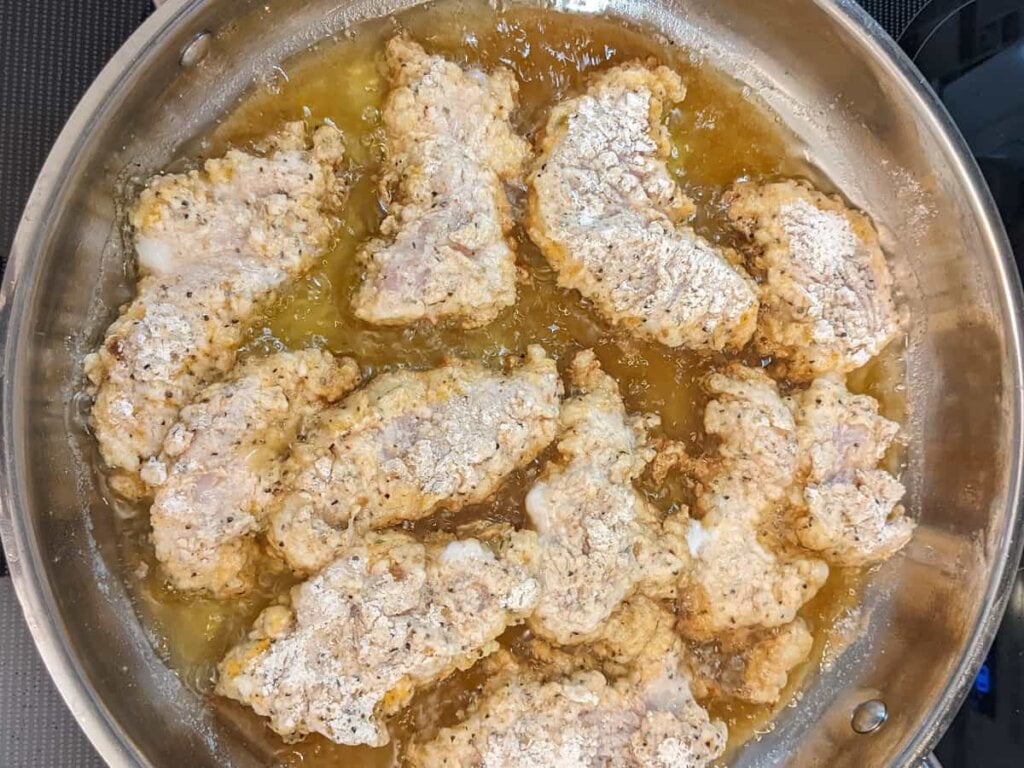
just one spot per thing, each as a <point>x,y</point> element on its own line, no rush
<point>21,277</point>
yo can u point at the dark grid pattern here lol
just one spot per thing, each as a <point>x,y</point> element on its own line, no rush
<point>36,729</point>
<point>50,50</point>
<point>894,15</point>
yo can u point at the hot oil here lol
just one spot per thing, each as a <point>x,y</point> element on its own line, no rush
<point>718,137</point>
<point>192,634</point>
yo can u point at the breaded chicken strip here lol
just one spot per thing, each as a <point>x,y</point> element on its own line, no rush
<point>389,616</point>
<point>741,577</point>
<point>443,251</point>
<point>580,720</point>
<point>604,209</point>
<point>222,461</point>
<point>853,515</point>
<point>599,538</point>
<point>213,245</point>
<point>826,302</point>
<point>757,447</point>
<point>751,665</point>
<point>409,443</point>
<point>740,580</point>
<point>638,635</point>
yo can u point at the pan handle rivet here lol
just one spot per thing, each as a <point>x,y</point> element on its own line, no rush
<point>868,716</point>
<point>196,49</point>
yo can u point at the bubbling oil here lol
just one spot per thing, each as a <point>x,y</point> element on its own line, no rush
<point>718,137</point>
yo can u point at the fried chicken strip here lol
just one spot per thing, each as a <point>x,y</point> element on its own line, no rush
<point>580,720</point>
<point>751,665</point>
<point>827,300</point>
<point>443,250</point>
<point>389,616</point>
<point>213,245</point>
<point>852,511</point>
<point>222,462</point>
<point>605,211</point>
<point>409,443</point>
<point>599,538</point>
<point>742,577</point>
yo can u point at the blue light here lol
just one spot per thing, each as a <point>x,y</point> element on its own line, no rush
<point>983,682</point>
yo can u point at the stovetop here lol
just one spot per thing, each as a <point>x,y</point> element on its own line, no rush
<point>972,52</point>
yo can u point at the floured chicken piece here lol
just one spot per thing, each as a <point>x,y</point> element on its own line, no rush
<point>221,465</point>
<point>740,578</point>
<point>409,443</point>
<point>213,245</point>
<point>639,632</point>
<point>826,302</point>
<point>598,535</point>
<point>839,432</point>
<point>635,640</point>
<point>750,665</point>
<point>605,211</point>
<point>443,251</point>
<point>581,720</point>
<point>757,446</point>
<point>853,515</point>
<point>389,616</point>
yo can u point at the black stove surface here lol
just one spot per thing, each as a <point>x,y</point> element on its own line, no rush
<point>971,51</point>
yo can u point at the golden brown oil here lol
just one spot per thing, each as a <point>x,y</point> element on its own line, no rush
<point>718,137</point>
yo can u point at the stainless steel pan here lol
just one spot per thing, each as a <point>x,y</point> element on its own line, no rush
<point>867,120</point>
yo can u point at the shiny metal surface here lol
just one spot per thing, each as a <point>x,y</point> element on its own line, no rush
<point>196,50</point>
<point>866,119</point>
<point>869,716</point>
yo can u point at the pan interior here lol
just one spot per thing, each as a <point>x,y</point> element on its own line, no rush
<point>840,100</point>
